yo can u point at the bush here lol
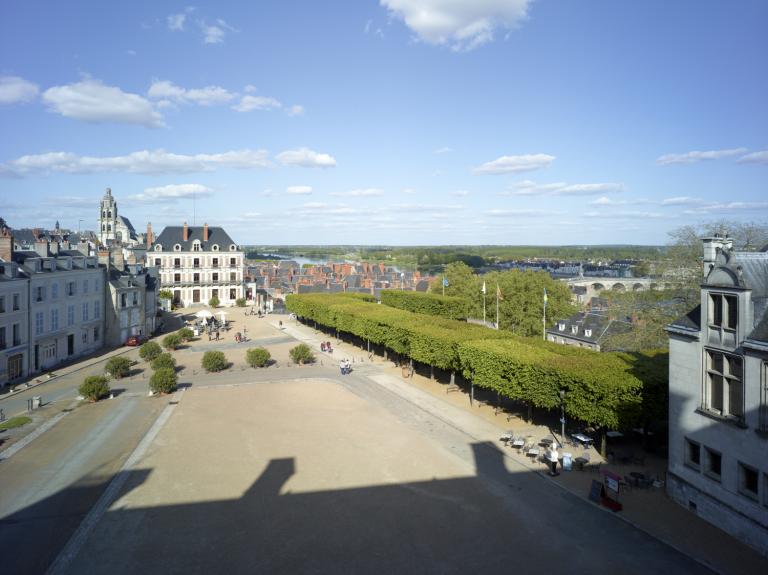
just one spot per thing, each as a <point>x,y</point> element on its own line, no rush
<point>186,334</point>
<point>301,354</point>
<point>149,351</point>
<point>163,361</point>
<point>214,302</point>
<point>171,341</point>
<point>214,361</point>
<point>15,422</point>
<point>165,294</point>
<point>118,367</point>
<point>257,357</point>
<point>94,388</point>
<point>164,380</point>
<point>240,302</point>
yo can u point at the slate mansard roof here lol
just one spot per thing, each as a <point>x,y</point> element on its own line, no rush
<point>173,235</point>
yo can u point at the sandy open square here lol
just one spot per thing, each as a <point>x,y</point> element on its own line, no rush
<point>306,476</point>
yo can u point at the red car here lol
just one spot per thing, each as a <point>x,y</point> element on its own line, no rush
<point>135,340</point>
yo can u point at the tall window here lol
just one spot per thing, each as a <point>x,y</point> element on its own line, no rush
<point>55,290</point>
<point>723,310</point>
<point>724,386</point>
<point>2,303</point>
<point>97,309</point>
<point>16,302</point>
<point>54,319</point>
<point>39,323</point>
<point>39,293</point>
<point>85,311</point>
<point>763,413</point>
<point>70,315</point>
<point>3,343</point>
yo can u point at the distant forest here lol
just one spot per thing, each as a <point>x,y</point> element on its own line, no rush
<point>428,257</point>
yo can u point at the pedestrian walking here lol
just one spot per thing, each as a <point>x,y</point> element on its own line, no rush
<point>217,335</point>
<point>552,456</point>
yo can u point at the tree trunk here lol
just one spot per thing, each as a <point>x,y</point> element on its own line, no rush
<point>453,378</point>
<point>432,372</point>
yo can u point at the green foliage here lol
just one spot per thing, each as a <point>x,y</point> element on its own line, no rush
<point>214,361</point>
<point>163,381</point>
<point>186,333</point>
<point>257,357</point>
<point>149,351</point>
<point>171,341</point>
<point>163,361</point>
<point>118,367</point>
<point>15,422</point>
<point>301,354</point>
<point>165,294</point>
<point>426,303</point>
<point>214,302</point>
<point>240,302</point>
<point>602,388</point>
<point>94,387</point>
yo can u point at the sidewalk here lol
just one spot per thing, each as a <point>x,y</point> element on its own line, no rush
<point>649,509</point>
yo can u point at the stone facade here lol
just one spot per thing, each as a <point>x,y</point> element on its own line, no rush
<point>14,323</point>
<point>718,387</point>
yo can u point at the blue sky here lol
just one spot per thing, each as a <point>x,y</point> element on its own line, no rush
<point>387,122</point>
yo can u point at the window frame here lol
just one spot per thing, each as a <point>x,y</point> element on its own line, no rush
<point>689,462</point>
<point>728,388</point>
<point>741,469</point>
<point>708,471</point>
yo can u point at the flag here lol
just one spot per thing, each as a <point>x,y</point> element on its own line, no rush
<point>483,290</point>
<point>545,296</point>
<point>498,293</point>
<point>445,282</point>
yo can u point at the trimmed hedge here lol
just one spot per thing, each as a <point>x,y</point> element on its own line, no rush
<point>150,351</point>
<point>163,381</point>
<point>257,357</point>
<point>601,388</point>
<point>94,387</point>
<point>450,307</point>
<point>214,361</point>
<point>163,361</point>
<point>118,367</point>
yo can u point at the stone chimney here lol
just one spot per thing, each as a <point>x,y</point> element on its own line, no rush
<point>83,247</point>
<point>6,245</point>
<point>712,246</point>
<point>41,247</point>
<point>104,258</point>
<point>185,237</point>
<point>150,236</point>
<point>117,260</point>
<point>205,232</point>
<point>54,248</point>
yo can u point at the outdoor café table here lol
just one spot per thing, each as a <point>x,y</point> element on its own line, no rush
<point>581,438</point>
<point>519,442</point>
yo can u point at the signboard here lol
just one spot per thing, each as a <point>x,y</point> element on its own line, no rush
<point>567,461</point>
<point>612,484</point>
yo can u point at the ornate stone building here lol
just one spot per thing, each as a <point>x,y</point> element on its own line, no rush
<point>114,227</point>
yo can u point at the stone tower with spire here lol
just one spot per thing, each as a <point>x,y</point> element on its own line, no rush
<point>107,217</point>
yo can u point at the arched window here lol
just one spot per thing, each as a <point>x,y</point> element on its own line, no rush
<point>109,227</point>
<point>215,247</point>
<point>232,247</point>
<point>109,214</point>
<point>177,248</point>
<point>196,246</point>
<point>104,214</point>
<point>158,248</point>
<point>103,227</point>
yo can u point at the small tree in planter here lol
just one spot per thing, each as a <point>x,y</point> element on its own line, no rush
<point>149,351</point>
<point>302,354</point>
<point>257,357</point>
<point>214,302</point>
<point>163,381</point>
<point>164,361</point>
<point>171,341</point>
<point>214,361</point>
<point>186,334</point>
<point>240,302</point>
<point>118,367</point>
<point>94,387</point>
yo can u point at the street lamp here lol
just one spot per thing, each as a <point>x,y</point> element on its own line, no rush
<point>562,417</point>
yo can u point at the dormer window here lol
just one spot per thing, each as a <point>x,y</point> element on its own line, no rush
<point>158,248</point>
<point>177,248</point>
<point>561,327</point>
<point>574,329</point>
<point>232,247</point>
<point>215,247</point>
<point>196,246</point>
<point>723,311</point>
<point>587,333</point>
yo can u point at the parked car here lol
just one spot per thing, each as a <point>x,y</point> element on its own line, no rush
<point>135,340</point>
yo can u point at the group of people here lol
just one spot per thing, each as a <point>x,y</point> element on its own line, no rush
<point>345,366</point>
<point>325,346</point>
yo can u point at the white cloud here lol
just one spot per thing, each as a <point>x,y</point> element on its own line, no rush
<point>681,201</point>
<point>306,158</point>
<point>14,89</point>
<point>92,101</point>
<point>697,156</point>
<point>142,162</point>
<point>298,190</point>
<point>248,103</point>
<point>172,192</point>
<point>513,164</point>
<point>500,213</point>
<point>755,158</point>
<point>359,193</point>
<point>632,215</point>
<point>215,33</point>
<point>295,110</point>
<point>530,188</point>
<point>727,207</point>
<point>460,193</point>
<point>460,24</point>
<point>176,21</point>
<point>443,150</point>
<point>207,96</point>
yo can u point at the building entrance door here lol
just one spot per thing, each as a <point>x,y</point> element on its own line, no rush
<point>195,296</point>
<point>71,344</point>
<point>15,363</point>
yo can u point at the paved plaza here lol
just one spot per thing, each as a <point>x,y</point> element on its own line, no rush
<point>300,470</point>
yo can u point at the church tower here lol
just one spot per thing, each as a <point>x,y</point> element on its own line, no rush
<point>107,217</point>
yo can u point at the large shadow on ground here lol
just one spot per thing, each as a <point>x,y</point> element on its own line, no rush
<point>490,522</point>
